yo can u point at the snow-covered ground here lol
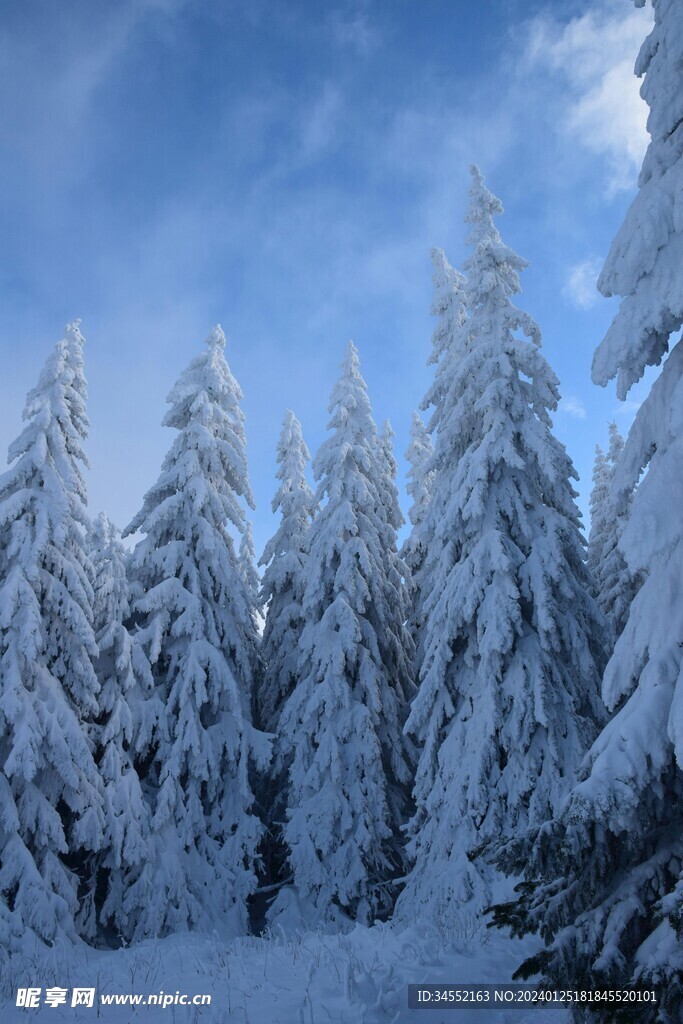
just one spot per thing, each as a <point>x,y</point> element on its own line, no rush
<point>358,978</point>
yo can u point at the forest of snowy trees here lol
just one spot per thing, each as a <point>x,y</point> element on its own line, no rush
<point>483,723</point>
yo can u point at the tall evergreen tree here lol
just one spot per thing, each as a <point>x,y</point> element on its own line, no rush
<point>398,647</point>
<point>508,696</point>
<point>125,685</point>
<point>193,617</point>
<point>283,580</point>
<point>387,482</point>
<point>448,340</point>
<point>604,881</point>
<point>246,560</point>
<point>281,598</point>
<point>396,643</point>
<point>51,815</point>
<point>420,483</point>
<point>599,513</point>
<point>343,840</point>
<point>247,564</point>
<point>448,306</point>
<point>614,585</point>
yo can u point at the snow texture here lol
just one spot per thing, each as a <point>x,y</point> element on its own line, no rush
<point>361,976</point>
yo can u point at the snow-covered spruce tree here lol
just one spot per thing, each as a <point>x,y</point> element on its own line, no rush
<point>281,596</point>
<point>396,639</point>
<point>420,481</point>
<point>193,619</point>
<point>617,584</point>
<point>342,836</point>
<point>387,481</point>
<point>448,339</point>
<point>414,550</point>
<point>283,580</point>
<point>397,647</point>
<point>247,563</point>
<point>51,816</point>
<point>124,718</point>
<point>246,560</point>
<point>604,883</point>
<point>509,691</point>
<point>599,514</point>
<point>448,306</point>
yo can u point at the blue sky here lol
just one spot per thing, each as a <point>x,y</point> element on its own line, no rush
<point>283,167</point>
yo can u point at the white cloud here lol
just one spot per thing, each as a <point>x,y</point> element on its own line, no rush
<point>580,287</point>
<point>594,55</point>
<point>572,406</point>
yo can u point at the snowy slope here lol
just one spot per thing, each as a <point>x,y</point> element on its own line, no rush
<point>358,978</point>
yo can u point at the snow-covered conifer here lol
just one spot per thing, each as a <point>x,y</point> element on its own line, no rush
<point>616,446</point>
<point>420,479</point>
<point>282,585</point>
<point>246,560</point>
<point>387,481</point>
<point>193,616</point>
<point>125,686</point>
<point>614,585</point>
<point>618,585</point>
<point>599,513</point>
<point>395,640</point>
<point>420,482</point>
<point>247,563</point>
<point>51,815</point>
<point>508,694</point>
<point>342,836</point>
<point>396,643</point>
<point>605,881</point>
<point>448,306</point>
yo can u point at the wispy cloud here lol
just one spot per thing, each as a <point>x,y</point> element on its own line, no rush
<point>626,410</point>
<point>594,56</point>
<point>320,122</point>
<point>572,406</point>
<point>48,90</point>
<point>580,288</point>
<point>353,28</point>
